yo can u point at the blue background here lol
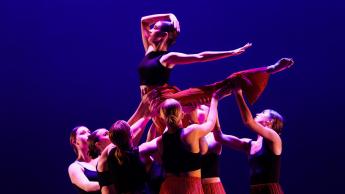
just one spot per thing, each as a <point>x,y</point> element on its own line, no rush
<point>74,62</point>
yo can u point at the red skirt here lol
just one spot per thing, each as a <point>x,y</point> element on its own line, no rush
<point>181,185</point>
<point>213,188</point>
<point>269,188</point>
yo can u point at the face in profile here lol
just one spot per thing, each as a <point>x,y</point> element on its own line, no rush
<point>156,34</point>
<point>103,138</point>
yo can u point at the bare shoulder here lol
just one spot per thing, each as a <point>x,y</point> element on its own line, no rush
<point>172,58</point>
<point>191,128</point>
<point>74,167</point>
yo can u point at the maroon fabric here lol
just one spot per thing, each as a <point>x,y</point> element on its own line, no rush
<point>181,185</point>
<point>269,188</point>
<point>252,81</point>
<point>212,188</point>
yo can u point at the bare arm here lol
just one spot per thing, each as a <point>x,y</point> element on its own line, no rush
<point>249,121</point>
<point>203,129</point>
<point>137,129</point>
<point>232,142</point>
<point>79,179</point>
<point>108,189</point>
<point>147,21</point>
<point>174,58</point>
<point>149,148</point>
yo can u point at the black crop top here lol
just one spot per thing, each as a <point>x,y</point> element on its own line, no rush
<point>151,71</point>
<point>264,166</point>
<point>210,165</point>
<point>130,176</point>
<point>176,158</point>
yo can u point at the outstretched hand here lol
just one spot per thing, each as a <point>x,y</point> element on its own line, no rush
<point>242,49</point>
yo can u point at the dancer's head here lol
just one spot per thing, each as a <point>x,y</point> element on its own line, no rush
<point>120,135</point>
<point>163,33</point>
<point>97,141</point>
<point>78,138</point>
<point>272,119</point>
<point>171,112</point>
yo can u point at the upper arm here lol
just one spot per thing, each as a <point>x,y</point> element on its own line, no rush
<point>175,58</point>
<point>145,32</point>
<point>102,161</point>
<point>79,179</point>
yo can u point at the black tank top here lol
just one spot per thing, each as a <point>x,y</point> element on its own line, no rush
<point>130,176</point>
<point>264,166</point>
<point>151,71</point>
<point>210,165</point>
<point>176,158</point>
<point>92,176</point>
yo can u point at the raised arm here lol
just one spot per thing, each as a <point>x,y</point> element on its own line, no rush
<point>149,148</point>
<point>137,129</point>
<point>79,179</point>
<point>203,129</point>
<point>147,21</point>
<point>174,58</point>
<point>249,121</point>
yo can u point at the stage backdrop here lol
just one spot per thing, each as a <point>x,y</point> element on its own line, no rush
<point>65,63</point>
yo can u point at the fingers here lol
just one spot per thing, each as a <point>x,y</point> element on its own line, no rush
<point>248,45</point>
<point>175,22</point>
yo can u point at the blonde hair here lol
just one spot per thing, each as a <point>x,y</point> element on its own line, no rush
<point>171,112</point>
<point>277,120</point>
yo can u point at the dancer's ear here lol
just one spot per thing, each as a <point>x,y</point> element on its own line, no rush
<point>165,38</point>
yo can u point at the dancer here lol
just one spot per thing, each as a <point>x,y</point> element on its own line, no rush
<point>121,169</point>
<point>210,172</point>
<point>82,172</point>
<point>155,68</point>
<point>180,149</point>
<point>264,152</point>
<point>97,141</point>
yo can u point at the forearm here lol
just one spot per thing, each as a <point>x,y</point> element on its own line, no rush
<point>151,19</point>
<point>246,115</point>
<point>138,114</point>
<point>91,186</point>
<point>214,55</point>
<point>137,129</point>
<point>230,141</point>
<point>213,112</point>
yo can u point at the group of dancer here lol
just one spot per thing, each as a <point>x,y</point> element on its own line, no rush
<point>184,141</point>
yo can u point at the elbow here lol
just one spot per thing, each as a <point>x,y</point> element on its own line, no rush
<point>218,136</point>
<point>91,188</point>
<point>143,20</point>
